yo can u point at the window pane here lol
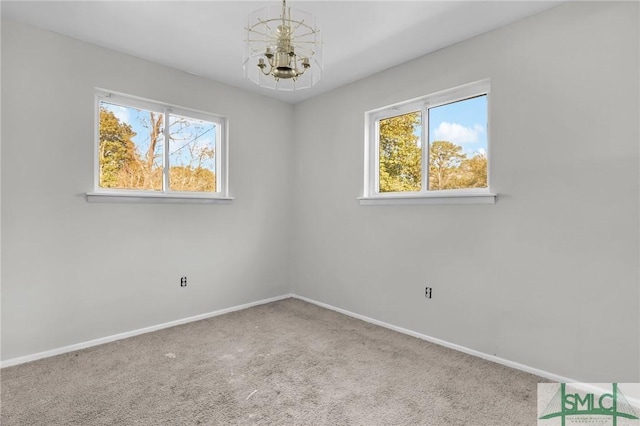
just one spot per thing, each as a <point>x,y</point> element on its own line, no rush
<point>400,153</point>
<point>458,145</point>
<point>192,154</point>
<point>131,148</point>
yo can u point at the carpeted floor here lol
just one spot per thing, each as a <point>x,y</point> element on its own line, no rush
<point>284,363</point>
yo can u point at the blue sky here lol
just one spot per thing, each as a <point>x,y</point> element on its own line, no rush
<point>463,123</point>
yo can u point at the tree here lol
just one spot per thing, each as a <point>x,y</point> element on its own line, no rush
<point>444,160</point>
<point>475,172</point>
<point>125,164</point>
<point>192,158</point>
<point>400,159</point>
<point>185,178</point>
<point>116,149</point>
<point>151,161</point>
<point>400,154</point>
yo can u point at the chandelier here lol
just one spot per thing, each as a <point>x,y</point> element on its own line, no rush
<point>284,48</point>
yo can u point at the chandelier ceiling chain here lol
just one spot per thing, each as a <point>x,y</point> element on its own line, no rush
<point>284,49</point>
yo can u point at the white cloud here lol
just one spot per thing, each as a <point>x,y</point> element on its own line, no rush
<point>457,133</point>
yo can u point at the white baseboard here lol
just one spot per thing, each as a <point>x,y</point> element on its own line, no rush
<point>545,374</point>
<point>493,358</point>
<point>120,336</point>
<point>635,402</point>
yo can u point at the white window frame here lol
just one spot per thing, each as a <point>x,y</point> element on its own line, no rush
<point>371,193</point>
<point>221,195</point>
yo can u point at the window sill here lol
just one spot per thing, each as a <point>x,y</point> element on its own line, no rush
<point>161,198</point>
<point>400,200</point>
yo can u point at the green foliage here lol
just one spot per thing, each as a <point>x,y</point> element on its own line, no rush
<point>186,178</point>
<point>444,162</point>
<point>117,150</point>
<point>123,166</point>
<point>449,167</point>
<point>474,172</point>
<point>400,154</point>
<point>401,163</point>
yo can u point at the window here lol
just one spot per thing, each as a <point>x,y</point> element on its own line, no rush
<point>146,149</point>
<point>434,149</point>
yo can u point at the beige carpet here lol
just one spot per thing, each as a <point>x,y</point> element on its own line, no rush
<point>284,363</point>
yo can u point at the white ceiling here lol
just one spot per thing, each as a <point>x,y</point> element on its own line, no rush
<point>206,37</point>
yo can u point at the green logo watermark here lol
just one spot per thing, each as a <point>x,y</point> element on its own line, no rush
<point>586,404</point>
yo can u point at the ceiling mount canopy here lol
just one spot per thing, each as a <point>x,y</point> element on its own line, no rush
<point>283,48</point>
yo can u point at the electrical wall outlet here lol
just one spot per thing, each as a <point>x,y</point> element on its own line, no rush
<point>427,292</point>
<point>183,281</point>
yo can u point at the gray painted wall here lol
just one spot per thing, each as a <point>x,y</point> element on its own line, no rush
<point>75,271</point>
<point>548,276</point>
